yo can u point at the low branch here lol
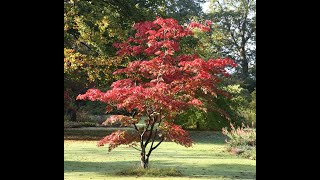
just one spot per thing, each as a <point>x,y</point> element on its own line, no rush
<point>250,34</point>
<point>83,43</point>
<point>141,137</point>
<point>136,128</point>
<point>154,137</point>
<point>158,144</point>
<point>147,127</point>
<point>136,148</point>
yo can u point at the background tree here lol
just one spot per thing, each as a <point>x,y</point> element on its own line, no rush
<point>161,83</point>
<point>234,36</point>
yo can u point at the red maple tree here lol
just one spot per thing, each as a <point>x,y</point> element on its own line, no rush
<point>157,87</point>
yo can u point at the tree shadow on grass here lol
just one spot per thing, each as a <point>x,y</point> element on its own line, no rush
<point>100,167</point>
<point>232,171</point>
<point>194,170</point>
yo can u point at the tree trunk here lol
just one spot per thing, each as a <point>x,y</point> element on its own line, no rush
<point>144,161</point>
<point>244,62</point>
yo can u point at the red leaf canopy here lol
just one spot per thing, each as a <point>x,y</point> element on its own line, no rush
<point>164,82</point>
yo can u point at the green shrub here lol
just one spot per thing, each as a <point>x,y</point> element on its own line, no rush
<point>241,140</point>
<point>93,107</point>
<point>192,119</point>
<point>238,109</point>
<point>251,111</point>
<point>67,118</point>
<point>83,117</point>
<point>216,121</point>
<point>197,119</point>
<point>71,124</point>
<point>249,152</point>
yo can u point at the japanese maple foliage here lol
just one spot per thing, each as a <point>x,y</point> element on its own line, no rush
<point>159,86</point>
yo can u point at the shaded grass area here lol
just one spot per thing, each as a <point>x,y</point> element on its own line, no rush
<point>88,133</point>
<point>207,159</point>
<point>100,132</point>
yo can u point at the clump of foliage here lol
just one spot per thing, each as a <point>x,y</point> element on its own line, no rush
<point>241,140</point>
<point>159,84</point>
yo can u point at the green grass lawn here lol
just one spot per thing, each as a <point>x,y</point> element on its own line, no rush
<point>207,159</point>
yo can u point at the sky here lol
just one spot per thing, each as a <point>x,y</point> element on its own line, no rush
<point>205,6</point>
